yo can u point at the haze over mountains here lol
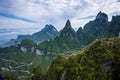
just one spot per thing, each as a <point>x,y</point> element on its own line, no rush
<point>48,32</point>
<point>15,18</point>
<point>98,28</point>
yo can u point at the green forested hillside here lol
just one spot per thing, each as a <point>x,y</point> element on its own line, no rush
<point>99,61</point>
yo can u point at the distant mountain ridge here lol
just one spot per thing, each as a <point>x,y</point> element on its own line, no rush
<point>68,40</point>
<point>48,32</point>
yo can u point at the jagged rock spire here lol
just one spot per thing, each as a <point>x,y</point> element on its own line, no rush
<point>68,24</point>
<point>68,32</point>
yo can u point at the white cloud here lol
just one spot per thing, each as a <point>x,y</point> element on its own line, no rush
<point>53,11</point>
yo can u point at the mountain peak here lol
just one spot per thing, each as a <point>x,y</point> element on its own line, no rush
<point>68,24</point>
<point>102,16</point>
<point>49,28</point>
<point>68,32</point>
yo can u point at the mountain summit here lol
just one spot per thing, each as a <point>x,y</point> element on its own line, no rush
<point>48,32</point>
<point>68,32</point>
<point>49,28</point>
<point>102,17</point>
<point>68,24</point>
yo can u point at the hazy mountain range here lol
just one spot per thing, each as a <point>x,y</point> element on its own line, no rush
<point>48,32</point>
<point>98,28</point>
<point>69,39</point>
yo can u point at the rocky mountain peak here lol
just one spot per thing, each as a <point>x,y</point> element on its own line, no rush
<point>49,28</point>
<point>68,24</point>
<point>102,16</point>
<point>68,32</point>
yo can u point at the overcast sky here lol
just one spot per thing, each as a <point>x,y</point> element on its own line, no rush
<point>29,16</point>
